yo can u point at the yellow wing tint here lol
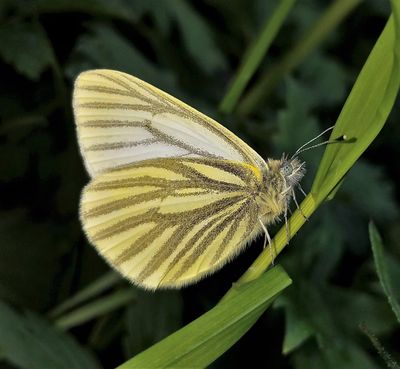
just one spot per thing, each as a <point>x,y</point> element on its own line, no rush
<point>168,222</point>
<point>121,119</point>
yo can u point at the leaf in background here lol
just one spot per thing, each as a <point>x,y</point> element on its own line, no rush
<point>103,47</point>
<point>350,355</point>
<point>312,309</point>
<point>350,307</point>
<point>202,341</point>
<point>360,189</point>
<point>151,318</point>
<point>296,332</point>
<point>30,342</point>
<point>97,308</point>
<point>92,290</point>
<point>295,124</point>
<point>322,28</point>
<point>296,115</point>
<point>341,228</point>
<point>325,79</point>
<point>297,329</point>
<point>309,358</point>
<point>196,34</point>
<point>321,311</point>
<point>24,46</point>
<point>103,8</point>
<point>384,273</point>
<point>159,10</point>
<point>321,83</point>
<point>352,358</point>
<point>324,246</point>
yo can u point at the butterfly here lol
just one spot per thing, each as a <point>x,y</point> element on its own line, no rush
<point>173,194</point>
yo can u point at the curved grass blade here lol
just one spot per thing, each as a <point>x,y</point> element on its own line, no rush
<point>382,269</point>
<point>96,308</point>
<point>95,288</point>
<point>255,54</point>
<point>366,109</point>
<point>363,116</point>
<point>202,341</point>
<point>330,19</point>
<point>385,355</point>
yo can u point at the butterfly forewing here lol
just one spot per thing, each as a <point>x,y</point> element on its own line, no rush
<point>121,120</point>
<point>170,221</point>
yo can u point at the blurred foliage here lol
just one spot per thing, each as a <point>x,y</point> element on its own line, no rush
<point>191,49</point>
<point>28,341</point>
<point>388,272</point>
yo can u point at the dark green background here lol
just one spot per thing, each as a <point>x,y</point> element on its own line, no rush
<point>192,49</point>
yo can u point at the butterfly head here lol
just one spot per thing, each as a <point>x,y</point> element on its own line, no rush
<point>279,180</point>
<point>292,170</point>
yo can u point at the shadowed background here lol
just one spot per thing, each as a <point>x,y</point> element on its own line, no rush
<point>192,50</point>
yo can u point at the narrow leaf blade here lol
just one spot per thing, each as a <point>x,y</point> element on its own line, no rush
<point>202,341</point>
<point>30,342</point>
<point>255,55</point>
<point>366,109</point>
<point>382,269</point>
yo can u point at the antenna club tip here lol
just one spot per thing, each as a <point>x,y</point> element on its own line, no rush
<point>342,138</point>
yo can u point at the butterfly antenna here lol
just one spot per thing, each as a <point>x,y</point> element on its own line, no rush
<point>312,140</point>
<point>327,142</point>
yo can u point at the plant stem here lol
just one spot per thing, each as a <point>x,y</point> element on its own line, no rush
<point>254,55</point>
<point>329,20</point>
<point>95,288</point>
<point>96,308</point>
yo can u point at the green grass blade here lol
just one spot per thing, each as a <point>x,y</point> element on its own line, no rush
<point>366,109</point>
<point>363,116</point>
<point>386,356</point>
<point>328,21</point>
<point>97,287</point>
<point>382,269</point>
<point>96,308</point>
<point>254,55</point>
<point>202,341</point>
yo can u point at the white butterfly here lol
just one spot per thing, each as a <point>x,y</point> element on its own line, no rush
<point>174,195</point>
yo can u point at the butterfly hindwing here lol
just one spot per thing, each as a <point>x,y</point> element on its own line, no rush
<point>121,120</point>
<point>170,221</point>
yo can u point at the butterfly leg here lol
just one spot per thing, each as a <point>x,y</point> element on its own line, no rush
<point>268,238</point>
<point>301,189</point>
<point>286,225</point>
<point>298,206</point>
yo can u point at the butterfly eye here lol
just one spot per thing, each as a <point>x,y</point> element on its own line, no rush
<point>286,169</point>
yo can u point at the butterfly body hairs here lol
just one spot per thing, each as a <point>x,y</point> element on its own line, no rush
<point>174,195</point>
